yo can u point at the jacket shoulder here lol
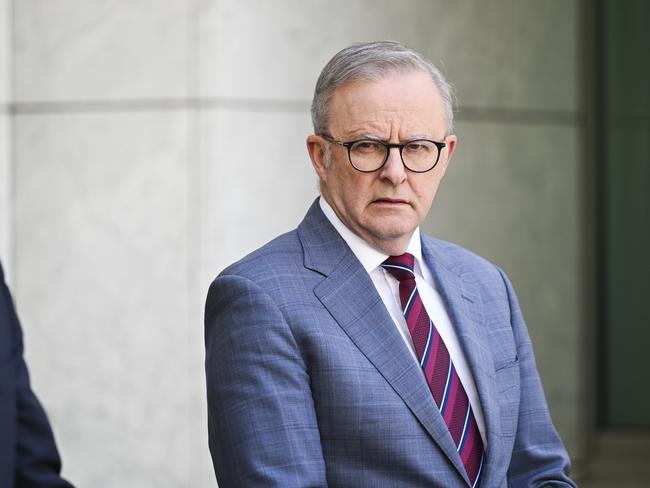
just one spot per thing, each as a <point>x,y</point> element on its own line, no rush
<point>471,267</point>
<point>278,256</point>
<point>457,257</point>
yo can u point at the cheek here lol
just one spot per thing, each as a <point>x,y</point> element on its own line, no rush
<point>357,189</point>
<point>350,192</point>
<point>425,190</point>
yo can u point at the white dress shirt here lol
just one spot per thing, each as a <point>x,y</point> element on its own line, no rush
<point>388,288</point>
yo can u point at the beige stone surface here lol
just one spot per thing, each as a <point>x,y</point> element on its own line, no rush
<point>257,182</point>
<point>114,49</point>
<point>5,136</point>
<point>5,195</point>
<point>102,288</point>
<point>5,53</point>
<point>518,54</point>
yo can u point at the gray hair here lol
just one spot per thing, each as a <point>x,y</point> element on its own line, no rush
<point>372,61</point>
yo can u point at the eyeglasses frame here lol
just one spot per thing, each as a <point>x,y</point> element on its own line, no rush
<point>388,145</point>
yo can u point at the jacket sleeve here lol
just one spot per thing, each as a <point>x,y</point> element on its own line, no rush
<point>262,424</point>
<point>539,458</point>
<point>37,462</point>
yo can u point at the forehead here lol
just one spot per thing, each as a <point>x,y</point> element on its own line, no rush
<point>400,104</point>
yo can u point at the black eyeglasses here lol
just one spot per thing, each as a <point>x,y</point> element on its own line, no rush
<point>368,155</point>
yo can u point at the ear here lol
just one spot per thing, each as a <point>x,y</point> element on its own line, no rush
<point>316,150</point>
<point>451,141</point>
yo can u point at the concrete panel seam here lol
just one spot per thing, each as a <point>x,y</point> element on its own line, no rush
<point>568,118</point>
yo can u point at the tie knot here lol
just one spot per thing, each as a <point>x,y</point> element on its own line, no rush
<point>401,267</point>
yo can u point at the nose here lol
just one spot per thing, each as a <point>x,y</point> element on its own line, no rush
<point>393,170</point>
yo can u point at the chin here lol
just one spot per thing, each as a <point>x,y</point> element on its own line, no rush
<point>391,233</point>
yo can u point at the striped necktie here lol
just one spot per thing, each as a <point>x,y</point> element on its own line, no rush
<point>439,371</point>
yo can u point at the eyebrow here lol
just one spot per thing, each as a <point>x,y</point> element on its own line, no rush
<point>413,137</point>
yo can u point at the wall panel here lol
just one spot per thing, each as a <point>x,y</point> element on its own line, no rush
<point>101,287</point>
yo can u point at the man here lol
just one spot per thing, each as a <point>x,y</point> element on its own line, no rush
<point>28,455</point>
<point>354,351</point>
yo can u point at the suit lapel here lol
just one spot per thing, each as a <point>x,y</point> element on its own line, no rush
<point>349,295</point>
<point>464,307</point>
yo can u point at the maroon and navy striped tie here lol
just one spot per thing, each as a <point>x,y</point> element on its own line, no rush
<point>439,371</point>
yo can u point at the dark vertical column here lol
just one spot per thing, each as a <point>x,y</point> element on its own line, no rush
<point>625,185</point>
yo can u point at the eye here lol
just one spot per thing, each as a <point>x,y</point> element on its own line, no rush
<point>367,147</point>
<point>418,147</point>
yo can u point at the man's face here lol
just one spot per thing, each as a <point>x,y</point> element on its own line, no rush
<point>383,207</point>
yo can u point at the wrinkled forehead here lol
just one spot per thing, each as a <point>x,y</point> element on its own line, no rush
<point>398,100</point>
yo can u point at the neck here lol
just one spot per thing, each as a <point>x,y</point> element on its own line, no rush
<point>392,247</point>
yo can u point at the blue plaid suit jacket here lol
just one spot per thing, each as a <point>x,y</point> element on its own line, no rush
<point>310,384</point>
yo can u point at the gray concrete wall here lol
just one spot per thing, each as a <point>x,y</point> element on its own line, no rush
<point>5,134</point>
<point>135,183</point>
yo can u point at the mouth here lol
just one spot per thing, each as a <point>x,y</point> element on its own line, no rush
<point>390,201</point>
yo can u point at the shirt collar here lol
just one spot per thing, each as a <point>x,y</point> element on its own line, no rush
<point>369,257</point>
